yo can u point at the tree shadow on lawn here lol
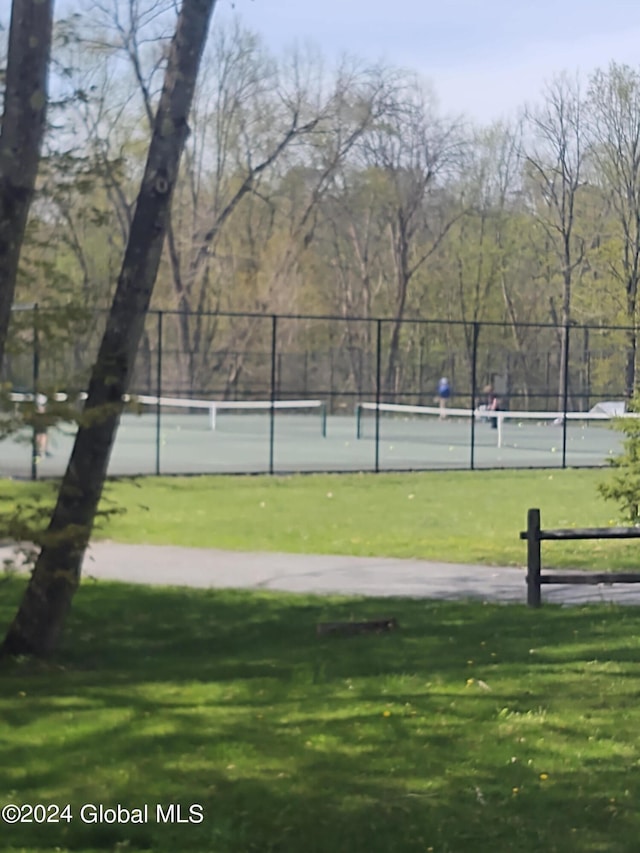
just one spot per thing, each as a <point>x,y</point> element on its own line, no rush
<point>190,632</point>
<point>345,784</point>
<point>119,635</point>
<point>368,743</point>
<point>449,795</point>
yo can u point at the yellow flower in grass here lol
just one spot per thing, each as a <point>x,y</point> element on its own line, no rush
<point>386,713</point>
<point>544,777</point>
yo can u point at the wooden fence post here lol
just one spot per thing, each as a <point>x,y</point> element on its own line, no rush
<point>534,599</point>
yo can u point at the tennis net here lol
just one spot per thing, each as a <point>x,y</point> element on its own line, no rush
<point>213,408</point>
<point>510,427</point>
<point>198,413</point>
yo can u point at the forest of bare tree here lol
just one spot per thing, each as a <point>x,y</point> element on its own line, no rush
<point>341,189</point>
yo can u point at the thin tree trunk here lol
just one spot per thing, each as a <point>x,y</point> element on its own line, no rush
<point>632,339</point>
<point>41,615</point>
<point>566,320</point>
<point>23,126</point>
<point>630,367</point>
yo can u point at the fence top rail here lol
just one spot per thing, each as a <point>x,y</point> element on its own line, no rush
<point>270,315</point>
<point>584,533</point>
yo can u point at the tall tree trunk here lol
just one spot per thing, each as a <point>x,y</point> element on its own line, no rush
<point>23,126</point>
<point>630,366</point>
<point>521,348</point>
<point>41,615</point>
<point>563,368</point>
<point>563,379</point>
<point>403,278</point>
<point>632,338</point>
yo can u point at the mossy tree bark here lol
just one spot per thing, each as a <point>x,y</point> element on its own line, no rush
<point>38,623</point>
<point>21,135</point>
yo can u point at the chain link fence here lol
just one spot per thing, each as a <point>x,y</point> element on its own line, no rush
<point>348,368</point>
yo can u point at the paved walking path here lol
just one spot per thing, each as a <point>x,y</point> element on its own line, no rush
<point>371,576</point>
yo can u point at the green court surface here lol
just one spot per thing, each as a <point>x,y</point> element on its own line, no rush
<point>244,443</point>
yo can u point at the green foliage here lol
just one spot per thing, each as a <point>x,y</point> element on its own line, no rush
<point>624,486</point>
<point>25,517</point>
<point>45,348</point>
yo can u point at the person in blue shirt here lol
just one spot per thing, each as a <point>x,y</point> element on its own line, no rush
<point>444,393</point>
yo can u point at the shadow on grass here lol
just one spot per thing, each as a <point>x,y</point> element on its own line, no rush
<point>472,728</point>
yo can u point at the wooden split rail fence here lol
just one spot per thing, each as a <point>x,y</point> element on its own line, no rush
<point>534,535</point>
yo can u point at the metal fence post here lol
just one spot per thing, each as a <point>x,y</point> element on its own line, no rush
<point>565,395</point>
<point>159,395</point>
<point>35,383</point>
<point>272,414</point>
<point>534,562</point>
<point>474,383</point>
<point>378,394</point>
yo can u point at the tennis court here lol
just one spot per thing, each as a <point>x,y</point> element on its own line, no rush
<point>178,436</point>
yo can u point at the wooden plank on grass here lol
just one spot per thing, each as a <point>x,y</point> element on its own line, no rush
<point>371,626</point>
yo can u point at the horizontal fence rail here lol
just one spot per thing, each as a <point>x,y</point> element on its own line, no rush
<point>534,535</point>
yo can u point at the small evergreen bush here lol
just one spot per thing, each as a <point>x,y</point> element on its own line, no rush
<point>624,487</point>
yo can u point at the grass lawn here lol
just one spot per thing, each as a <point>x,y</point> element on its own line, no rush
<point>473,728</point>
<point>467,517</point>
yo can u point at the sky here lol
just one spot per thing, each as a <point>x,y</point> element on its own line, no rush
<point>484,58</point>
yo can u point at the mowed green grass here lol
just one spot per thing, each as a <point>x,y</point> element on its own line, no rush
<point>467,517</point>
<point>473,728</point>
